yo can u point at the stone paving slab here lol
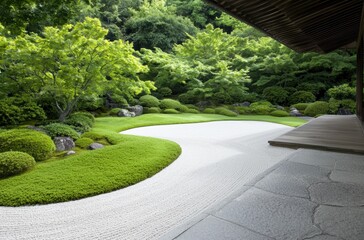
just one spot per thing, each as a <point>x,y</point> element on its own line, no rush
<point>316,195</point>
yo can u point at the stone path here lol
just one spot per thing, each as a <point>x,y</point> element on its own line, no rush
<point>315,195</point>
<point>218,159</point>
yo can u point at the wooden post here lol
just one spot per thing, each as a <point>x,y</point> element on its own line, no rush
<point>360,69</point>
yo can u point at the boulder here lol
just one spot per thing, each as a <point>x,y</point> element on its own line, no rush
<point>295,112</point>
<point>63,143</point>
<point>95,146</point>
<point>244,104</point>
<point>125,113</point>
<point>70,153</point>
<point>137,109</point>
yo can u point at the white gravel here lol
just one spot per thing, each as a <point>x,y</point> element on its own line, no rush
<point>217,159</point>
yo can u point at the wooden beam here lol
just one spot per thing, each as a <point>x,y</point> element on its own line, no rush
<point>360,69</point>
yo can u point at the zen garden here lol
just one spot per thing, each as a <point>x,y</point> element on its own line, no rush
<point>74,74</point>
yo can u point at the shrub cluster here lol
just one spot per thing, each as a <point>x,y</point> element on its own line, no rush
<point>317,108</point>
<point>35,143</point>
<point>153,110</point>
<point>170,111</point>
<point>80,123</point>
<point>302,97</point>
<point>12,163</point>
<point>86,114</point>
<point>60,130</point>
<point>225,111</point>
<point>279,113</point>
<point>84,142</point>
<point>114,111</point>
<point>275,94</point>
<point>301,106</point>
<point>149,101</point>
<point>170,104</point>
<point>209,111</point>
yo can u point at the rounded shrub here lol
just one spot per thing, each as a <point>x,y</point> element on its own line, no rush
<point>149,101</point>
<point>165,91</point>
<point>170,111</point>
<point>183,108</point>
<point>86,114</point>
<point>153,110</point>
<point>60,130</point>
<point>243,110</point>
<point>12,163</point>
<point>114,111</point>
<point>191,110</point>
<point>261,103</point>
<point>192,106</point>
<point>170,104</point>
<point>275,94</point>
<point>279,113</point>
<point>302,97</point>
<point>301,106</point>
<point>209,111</point>
<point>94,136</point>
<point>37,144</point>
<point>226,112</point>
<point>317,108</point>
<point>343,91</point>
<point>79,123</point>
<point>84,142</point>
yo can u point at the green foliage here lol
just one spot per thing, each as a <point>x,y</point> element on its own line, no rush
<point>71,62</point>
<point>301,106</point>
<point>279,113</point>
<point>165,91</point>
<point>209,111</point>
<point>60,130</point>
<point>94,136</point>
<point>79,122</point>
<point>317,108</point>
<point>86,114</point>
<point>302,97</point>
<point>157,25</point>
<point>243,110</point>
<point>153,110</point>
<point>170,111</point>
<point>90,103</point>
<point>170,104</point>
<point>275,95</point>
<point>12,163</point>
<point>15,110</point>
<point>84,142</point>
<point>37,144</point>
<point>261,109</point>
<point>225,112</point>
<point>114,111</point>
<point>191,110</point>
<point>335,104</point>
<point>261,103</point>
<point>343,91</point>
<point>149,101</point>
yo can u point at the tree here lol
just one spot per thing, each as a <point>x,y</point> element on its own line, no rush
<point>71,62</point>
<point>203,65</point>
<point>156,25</point>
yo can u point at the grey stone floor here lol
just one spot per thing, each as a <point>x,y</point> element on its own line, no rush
<point>317,195</point>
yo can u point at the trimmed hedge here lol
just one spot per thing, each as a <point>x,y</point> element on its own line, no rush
<point>317,108</point>
<point>243,110</point>
<point>37,144</point>
<point>12,163</point>
<point>170,104</point>
<point>279,113</point>
<point>86,114</point>
<point>84,142</point>
<point>301,106</point>
<point>60,130</point>
<point>261,109</point>
<point>209,111</point>
<point>80,123</point>
<point>302,97</point>
<point>114,111</point>
<point>191,110</point>
<point>149,101</point>
<point>171,111</point>
<point>225,112</point>
<point>153,110</point>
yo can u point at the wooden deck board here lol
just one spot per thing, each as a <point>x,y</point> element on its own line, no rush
<point>329,132</point>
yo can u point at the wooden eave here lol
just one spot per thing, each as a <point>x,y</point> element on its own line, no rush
<point>303,25</point>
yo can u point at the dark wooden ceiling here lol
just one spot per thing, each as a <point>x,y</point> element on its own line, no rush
<point>303,25</point>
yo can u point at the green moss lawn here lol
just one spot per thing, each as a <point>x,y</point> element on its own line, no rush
<point>129,160</point>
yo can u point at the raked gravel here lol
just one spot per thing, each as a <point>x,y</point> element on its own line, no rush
<point>217,159</point>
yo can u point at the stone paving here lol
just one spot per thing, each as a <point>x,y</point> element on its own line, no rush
<point>316,195</point>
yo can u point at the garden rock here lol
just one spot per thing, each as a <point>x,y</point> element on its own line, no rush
<point>295,112</point>
<point>63,143</point>
<point>344,111</point>
<point>137,109</point>
<point>95,146</point>
<point>244,104</point>
<point>70,153</point>
<point>125,113</point>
